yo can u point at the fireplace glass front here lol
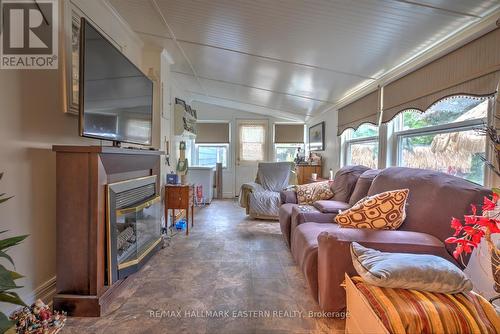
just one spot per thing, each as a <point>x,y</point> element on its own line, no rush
<point>134,228</point>
<point>137,230</point>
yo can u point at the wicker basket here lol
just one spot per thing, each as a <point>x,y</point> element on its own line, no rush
<point>495,269</point>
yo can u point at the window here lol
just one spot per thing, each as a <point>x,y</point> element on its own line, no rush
<point>288,139</point>
<point>212,143</point>
<point>360,146</point>
<point>252,142</point>
<point>209,155</point>
<point>288,152</point>
<point>444,137</point>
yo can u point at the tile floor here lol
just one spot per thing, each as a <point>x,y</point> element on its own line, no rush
<point>228,265</point>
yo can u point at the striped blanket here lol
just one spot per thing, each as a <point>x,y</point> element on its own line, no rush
<point>411,311</point>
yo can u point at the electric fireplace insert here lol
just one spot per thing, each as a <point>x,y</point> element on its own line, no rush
<point>133,225</point>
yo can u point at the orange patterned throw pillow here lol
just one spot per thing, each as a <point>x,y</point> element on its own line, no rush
<point>312,192</point>
<point>384,211</point>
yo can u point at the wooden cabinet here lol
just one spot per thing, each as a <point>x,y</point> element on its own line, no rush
<point>83,174</point>
<point>304,172</point>
<point>180,197</point>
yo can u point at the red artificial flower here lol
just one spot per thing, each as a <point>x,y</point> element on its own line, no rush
<point>469,236</point>
<point>483,221</point>
<point>456,224</point>
<point>494,226</point>
<point>451,240</point>
<point>470,219</point>
<point>490,204</point>
<point>476,237</point>
<point>457,252</point>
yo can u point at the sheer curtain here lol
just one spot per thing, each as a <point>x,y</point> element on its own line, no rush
<point>252,142</point>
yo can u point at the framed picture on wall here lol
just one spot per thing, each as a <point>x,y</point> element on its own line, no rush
<point>317,137</point>
<point>71,49</point>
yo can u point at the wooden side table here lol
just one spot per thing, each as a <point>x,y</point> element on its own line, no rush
<point>318,179</point>
<point>180,197</point>
<point>304,172</point>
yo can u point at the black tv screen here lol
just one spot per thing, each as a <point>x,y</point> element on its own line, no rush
<point>116,102</point>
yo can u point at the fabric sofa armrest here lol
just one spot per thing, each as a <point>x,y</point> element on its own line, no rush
<point>310,214</point>
<point>288,196</point>
<point>334,258</point>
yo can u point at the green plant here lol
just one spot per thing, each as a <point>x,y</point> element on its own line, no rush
<point>8,277</point>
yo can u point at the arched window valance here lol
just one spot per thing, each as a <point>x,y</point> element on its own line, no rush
<point>473,69</point>
<point>363,110</point>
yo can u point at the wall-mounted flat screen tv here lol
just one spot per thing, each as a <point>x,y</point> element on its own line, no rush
<point>116,98</point>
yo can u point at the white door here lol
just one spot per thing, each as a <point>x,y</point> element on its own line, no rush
<point>251,148</point>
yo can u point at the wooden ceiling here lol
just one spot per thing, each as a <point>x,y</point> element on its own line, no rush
<point>289,57</point>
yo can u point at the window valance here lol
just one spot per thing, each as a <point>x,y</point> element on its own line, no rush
<point>473,69</point>
<point>363,110</point>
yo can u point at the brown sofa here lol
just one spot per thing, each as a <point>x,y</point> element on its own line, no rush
<point>322,213</point>
<point>322,250</point>
<point>343,186</point>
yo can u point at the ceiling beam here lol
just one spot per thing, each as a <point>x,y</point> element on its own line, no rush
<point>247,107</point>
<point>272,59</point>
<point>171,32</point>
<point>450,11</point>
<point>258,88</point>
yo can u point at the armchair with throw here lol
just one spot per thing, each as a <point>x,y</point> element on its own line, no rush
<point>262,197</point>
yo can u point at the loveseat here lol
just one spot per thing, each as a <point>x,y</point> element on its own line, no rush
<point>322,249</point>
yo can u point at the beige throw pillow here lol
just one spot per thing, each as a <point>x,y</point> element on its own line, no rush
<point>312,192</point>
<point>385,211</point>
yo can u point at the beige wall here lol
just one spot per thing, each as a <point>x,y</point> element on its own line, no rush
<point>31,121</point>
<point>331,154</point>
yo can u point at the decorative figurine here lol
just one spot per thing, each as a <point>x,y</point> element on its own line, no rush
<point>299,158</point>
<point>38,319</point>
<point>182,164</point>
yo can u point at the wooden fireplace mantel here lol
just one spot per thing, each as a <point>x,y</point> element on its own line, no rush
<point>82,173</point>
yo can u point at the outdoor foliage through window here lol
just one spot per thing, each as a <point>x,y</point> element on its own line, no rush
<point>210,155</point>
<point>452,110</point>
<point>364,130</point>
<point>364,153</point>
<point>287,152</point>
<point>359,151</point>
<point>455,151</point>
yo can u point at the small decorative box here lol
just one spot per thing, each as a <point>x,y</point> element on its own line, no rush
<point>172,178</point>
